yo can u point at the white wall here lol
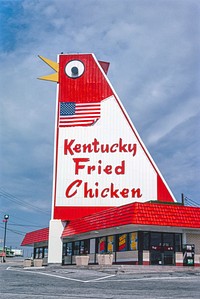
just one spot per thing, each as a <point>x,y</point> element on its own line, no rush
<point>55,242</point>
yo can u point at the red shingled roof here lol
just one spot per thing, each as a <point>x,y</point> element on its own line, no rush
<point>155,214</point>
<point>36,236</point>
<point>139,214</point>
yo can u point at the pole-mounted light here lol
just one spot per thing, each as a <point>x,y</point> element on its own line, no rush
<point>5,220</point>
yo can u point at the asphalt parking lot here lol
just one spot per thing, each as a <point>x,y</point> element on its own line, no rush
<point>121,282</point>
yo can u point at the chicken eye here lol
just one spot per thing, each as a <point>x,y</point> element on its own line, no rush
<point>74,69</point>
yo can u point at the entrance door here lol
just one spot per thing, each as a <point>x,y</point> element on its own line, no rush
<point>162,249</point>
<point>168,258</point>
<point>161,257</point>
<point>156,258</point>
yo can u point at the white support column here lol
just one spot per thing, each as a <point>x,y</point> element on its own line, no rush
<point>55,241</point>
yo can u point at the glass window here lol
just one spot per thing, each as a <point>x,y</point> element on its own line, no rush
<point>133,241</point>
<point>69,248</point>
<point>46,252</point>
<point>110,243</point>
<point>64,249</point>
<point>168,241</point>
<point>122,242</point>
<point>37,253</point>
<point>161,241</point>
<point>40,253</point>
<point>87,246</point>
<point>84,246</point>
<point>146,240</point>
<point>92,245</point>
<point>178,242</point>
<point>102,244</point>
<point>76,248</point>
<point>156,241</point>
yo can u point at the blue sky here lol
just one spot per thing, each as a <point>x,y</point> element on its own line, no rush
<point>153,48</point>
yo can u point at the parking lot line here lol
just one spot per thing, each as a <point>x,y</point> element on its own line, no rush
<point>174,278</point>
<point>106,278</point>
<point>42,273</point>
<point>59,276</point>
<point>100,278</point>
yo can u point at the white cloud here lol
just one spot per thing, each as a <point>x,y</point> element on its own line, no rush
<point>153,47</point>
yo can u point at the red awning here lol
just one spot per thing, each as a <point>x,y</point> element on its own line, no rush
<point>36,236</point>
<point>154,214</point>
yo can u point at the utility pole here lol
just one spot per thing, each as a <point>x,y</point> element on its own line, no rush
<point>182,199</point>
<point>5,220</point>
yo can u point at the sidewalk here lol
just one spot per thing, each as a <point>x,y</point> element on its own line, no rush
<point>114,269</point>
<point>129,269</point>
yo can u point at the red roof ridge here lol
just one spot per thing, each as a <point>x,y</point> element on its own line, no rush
<point>151,213</point>
<point>137,213</point>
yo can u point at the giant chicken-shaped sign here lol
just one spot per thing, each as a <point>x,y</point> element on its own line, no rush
<point>100,160</point>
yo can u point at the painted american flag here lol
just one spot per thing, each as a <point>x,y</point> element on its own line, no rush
<point>78,114</point>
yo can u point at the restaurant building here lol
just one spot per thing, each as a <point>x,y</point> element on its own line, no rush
<point>108,194</point>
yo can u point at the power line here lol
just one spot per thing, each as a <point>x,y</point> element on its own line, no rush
<point>191,202</point>
<point>23,225</point>
<point>19,218</point>
<point>20,202</point>
<point>15,231</point>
